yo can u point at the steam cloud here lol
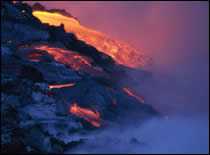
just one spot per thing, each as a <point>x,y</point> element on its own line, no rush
<point>174,135</point>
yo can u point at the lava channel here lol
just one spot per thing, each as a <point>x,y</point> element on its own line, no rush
<point>131,93</point>
<point>93,117</point>
<point>58,86</point>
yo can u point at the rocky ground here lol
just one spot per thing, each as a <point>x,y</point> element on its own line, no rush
<point>37,117</point>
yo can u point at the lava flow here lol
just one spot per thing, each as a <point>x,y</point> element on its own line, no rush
<point>131,93</point>
<point>58,86</point>
<point>87,114</point>
<point>121,52</point>
<point>66,57</point>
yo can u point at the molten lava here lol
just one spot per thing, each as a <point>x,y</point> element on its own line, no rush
<point>131,93</point>
<point>119,51</point>
<point>87,114</point>
<point>58,86</point>
<point>72,59</point>
<point>66,57</point>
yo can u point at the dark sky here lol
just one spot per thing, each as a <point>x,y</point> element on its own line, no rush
<point>174,34</point>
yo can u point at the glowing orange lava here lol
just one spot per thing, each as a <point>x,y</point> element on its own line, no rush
<point>57,86</point>
<point>119,51</point>
<point>87,114</point>
<point>67,57</point>
<point>131,93</point>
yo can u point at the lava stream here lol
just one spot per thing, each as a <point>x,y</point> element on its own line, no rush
<point>131,93</point>
<point>58,86</point>
<point>87,114</point>
<point>67,57</point>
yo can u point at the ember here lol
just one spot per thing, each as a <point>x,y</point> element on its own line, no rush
<point>131,93</point>
<point>57,86</point>
<point>87,114</point>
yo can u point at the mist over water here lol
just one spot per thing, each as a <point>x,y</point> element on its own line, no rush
<point>175,36</point>
<point>175,135</point>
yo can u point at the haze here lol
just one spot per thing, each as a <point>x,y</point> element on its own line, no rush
<point>174,34</point>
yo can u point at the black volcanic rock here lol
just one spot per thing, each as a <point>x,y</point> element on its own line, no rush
<point>56,73</point>
<point>59,34</point>
<point>38,6</point>
<point>36,118</point>
<point>61,11</point>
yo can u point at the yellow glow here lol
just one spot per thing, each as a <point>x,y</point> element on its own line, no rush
<point>122,53</point>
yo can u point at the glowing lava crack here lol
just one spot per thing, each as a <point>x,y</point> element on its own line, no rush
<point>87,114</point>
